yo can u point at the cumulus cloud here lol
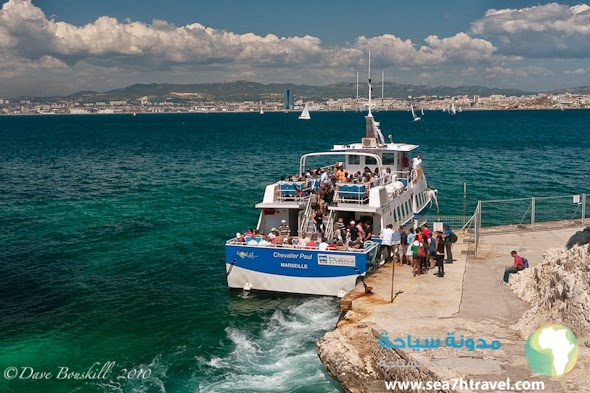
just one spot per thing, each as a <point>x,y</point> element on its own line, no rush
<point>544,31</point>
<point>26,32</point>
<point>112,53</point>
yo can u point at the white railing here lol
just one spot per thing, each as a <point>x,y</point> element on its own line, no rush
<point>303,227</point>
<point>235,242</point>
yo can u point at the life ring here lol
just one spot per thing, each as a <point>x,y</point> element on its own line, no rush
<point>269,212</point>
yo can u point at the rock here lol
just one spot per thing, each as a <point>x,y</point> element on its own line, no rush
<point>558,290</point>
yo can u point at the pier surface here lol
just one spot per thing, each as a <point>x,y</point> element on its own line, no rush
<point>470,300</point>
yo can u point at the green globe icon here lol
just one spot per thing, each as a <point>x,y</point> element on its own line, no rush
<point>552,350</point>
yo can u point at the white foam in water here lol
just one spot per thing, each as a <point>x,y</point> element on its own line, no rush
<point>280,357</point>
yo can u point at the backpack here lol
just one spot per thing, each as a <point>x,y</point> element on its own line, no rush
<point>525,263</point>
<point>453,237</point>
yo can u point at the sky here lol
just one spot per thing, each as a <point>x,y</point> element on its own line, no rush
<point>58,47</point>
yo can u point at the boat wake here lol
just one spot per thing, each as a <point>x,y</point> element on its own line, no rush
<point>278,357</point>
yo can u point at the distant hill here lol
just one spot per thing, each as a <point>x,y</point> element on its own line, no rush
<point>253,91</point>
<point>575,90</point>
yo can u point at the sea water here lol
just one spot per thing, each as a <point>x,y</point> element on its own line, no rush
<point>112,230</point>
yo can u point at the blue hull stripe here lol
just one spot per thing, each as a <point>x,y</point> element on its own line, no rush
<point>298,262</point>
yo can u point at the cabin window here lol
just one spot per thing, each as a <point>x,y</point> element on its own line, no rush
<point>353,160</point>
<point>388,158</point>
<point>370,160</point>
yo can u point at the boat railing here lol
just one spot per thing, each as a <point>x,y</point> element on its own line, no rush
<point>306,219</point>
<point>330,226</point>
<point>236,242</point>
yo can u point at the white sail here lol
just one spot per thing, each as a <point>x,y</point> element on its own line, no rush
<point>422,111</point>
<point>305,114</point>
<point>453,110</point>
<point>416,118</point>
<point>261,111</point>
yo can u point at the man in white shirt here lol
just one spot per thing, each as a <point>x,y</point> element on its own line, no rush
<point>325,178</point>
<point>416,162</point>
<point>386,242</point>
<point>303,240</point>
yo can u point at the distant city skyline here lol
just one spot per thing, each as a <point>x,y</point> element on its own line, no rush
<point>60,47</point>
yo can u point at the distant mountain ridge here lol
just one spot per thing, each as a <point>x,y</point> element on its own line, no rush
<point>253,91</point>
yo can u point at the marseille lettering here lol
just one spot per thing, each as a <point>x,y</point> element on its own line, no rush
<point>294,265</point>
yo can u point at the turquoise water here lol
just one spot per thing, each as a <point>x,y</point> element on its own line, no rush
<point>112,230</point>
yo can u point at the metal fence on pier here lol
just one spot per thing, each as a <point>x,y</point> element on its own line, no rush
<point>526,214</point>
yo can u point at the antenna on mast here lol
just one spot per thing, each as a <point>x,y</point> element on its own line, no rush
<point>382,82</point>
<point>357,86</point>
<point>370,88</point>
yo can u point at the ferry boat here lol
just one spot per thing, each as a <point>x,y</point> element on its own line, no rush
<point>397,197</point>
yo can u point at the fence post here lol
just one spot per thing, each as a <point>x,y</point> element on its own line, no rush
<point>532,212</point>
<point>583,207</point>
<point>477,226</point>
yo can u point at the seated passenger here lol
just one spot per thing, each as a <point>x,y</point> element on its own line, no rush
<point>323,246</point>
<point>264,242</point>
<point>303,240</point>
<point>332,245</point>
<point>272,236</point>
<point>252,242</point>
<point>312,243</point>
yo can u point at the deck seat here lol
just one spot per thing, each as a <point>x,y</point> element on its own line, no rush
<point>287,189</point>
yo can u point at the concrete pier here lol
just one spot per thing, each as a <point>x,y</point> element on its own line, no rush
<point>470,300</point>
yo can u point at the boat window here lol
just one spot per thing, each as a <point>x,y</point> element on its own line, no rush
<point>388,158</point>
<point>354,160</point>
<point>370,160</point>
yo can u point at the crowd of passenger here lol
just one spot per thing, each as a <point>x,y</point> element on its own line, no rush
<point>345,237</point>
<point>421,248</point>
<point>330,176</point>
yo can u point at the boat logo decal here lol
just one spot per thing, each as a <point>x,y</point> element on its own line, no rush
<point>244,255</point>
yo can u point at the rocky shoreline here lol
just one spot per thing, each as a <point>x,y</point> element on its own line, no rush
<point>473,304</point>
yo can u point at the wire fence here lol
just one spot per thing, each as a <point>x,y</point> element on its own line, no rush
<point>535,213</point>
<point>531,213</point>
<point>521,214</point>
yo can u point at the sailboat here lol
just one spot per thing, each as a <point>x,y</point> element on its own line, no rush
<point>421,111</point>
<point>416,118</point>
<point>460,109</point>
<point>305,114</point>
<point>261,111</point>
<point>453,111</point>
<point>561,106</point>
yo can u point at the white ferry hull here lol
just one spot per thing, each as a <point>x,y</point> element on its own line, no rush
<point>323,286</point>
<point>291,270</point>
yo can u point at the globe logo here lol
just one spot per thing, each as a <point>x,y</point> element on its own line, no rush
<point>552,350</point>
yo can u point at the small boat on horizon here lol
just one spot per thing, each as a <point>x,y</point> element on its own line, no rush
<point>305,113</point>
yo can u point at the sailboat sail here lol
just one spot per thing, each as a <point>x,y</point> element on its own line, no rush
<point>305,114</point>
<point>453,110</point>
<point>416,118</point>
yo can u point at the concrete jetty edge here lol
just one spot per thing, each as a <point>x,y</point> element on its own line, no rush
<point>470,301</point>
